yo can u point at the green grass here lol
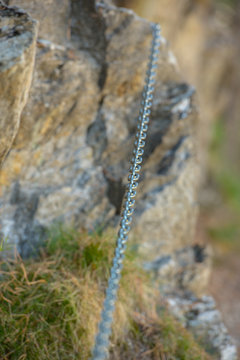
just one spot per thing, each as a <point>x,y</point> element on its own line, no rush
<point>226,178</point>
<point>162,339</point>
<point>50,306</point>
<point>227,182</point>
<point>232,3</point>
<point>229,185</point>
<point>226,238</point>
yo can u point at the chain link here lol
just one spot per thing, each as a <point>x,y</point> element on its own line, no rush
<point>100,351</point>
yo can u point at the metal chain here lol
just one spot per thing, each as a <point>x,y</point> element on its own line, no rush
<point>100,351</point>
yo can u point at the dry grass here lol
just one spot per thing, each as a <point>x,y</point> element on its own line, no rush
<point>49,307</point>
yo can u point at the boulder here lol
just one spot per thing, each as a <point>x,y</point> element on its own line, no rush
<point>17,55</point>
<point>71,157</point>
<point>201,316</point>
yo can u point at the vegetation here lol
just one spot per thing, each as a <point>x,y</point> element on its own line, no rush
<point>232,3</point>
<point>50,306</point>
<point>225,179</point>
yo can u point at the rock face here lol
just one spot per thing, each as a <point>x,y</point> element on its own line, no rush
<point>17,54</point>
<point>204,37</point>
<point>201,316</point>
<point>53,17</point>
<point>70,159</point>
<point>185,269</point>
<point>71,156</point>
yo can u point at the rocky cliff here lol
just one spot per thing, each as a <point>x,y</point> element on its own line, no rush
<point>17,55</point>
<point>70,158</point>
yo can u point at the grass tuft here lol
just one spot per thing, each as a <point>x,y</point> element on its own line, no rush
<point>50,306</point>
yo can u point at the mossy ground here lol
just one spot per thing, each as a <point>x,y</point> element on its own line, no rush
<point>50,306</point>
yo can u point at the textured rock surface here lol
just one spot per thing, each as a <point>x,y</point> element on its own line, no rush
<point>184,269</point>
<point>17,53</point>
<point>70,160</point>
<point>71,156</point>
<point>204,36</point>
<point>201,316</point>
<point>53,17</point>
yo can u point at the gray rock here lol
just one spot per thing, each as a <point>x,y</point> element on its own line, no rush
<point>185,269</point>
<point>77,132</point>
<point>70,159</point>
<point>53,16</point>
<point>201,317</point>
<point>17,54</point>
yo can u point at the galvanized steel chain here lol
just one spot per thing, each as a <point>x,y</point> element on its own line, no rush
<point>100,351</point>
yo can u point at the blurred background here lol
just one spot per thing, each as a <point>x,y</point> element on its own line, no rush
<point>205,38</point>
